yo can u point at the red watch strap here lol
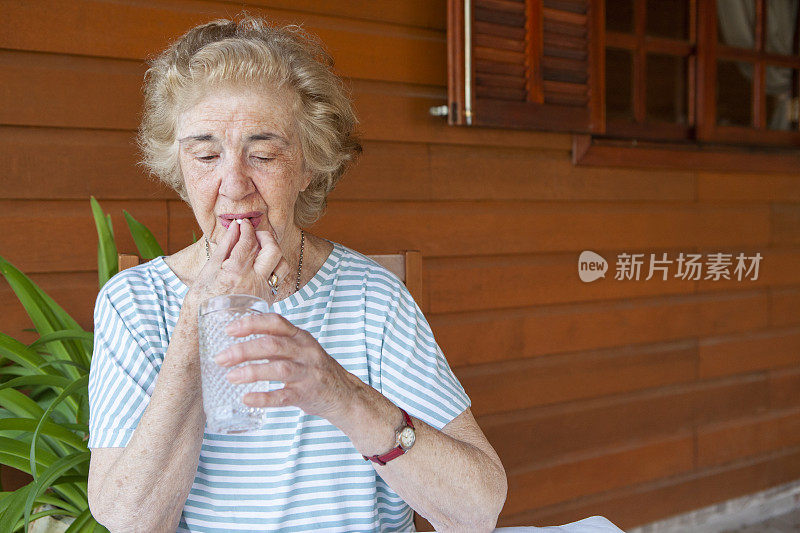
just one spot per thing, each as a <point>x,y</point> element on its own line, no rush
<point>394,452</point>
<point>408,419</point>
<point>385,458</point>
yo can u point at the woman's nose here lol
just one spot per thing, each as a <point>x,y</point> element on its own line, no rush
<point>236,182</point>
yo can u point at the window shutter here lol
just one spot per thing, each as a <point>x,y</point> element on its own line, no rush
<point>533,64</point>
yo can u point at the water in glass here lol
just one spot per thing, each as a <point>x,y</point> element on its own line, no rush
<point>222,400</point>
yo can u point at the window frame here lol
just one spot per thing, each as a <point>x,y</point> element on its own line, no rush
<point>599,141</point>
<point>640,44</point>
<point>709,52</point>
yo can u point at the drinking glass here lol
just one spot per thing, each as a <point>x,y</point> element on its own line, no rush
<point>222,400</point>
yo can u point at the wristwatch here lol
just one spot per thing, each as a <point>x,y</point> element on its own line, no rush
<point>404,437</point>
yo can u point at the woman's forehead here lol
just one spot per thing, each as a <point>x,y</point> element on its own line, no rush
<point>258,115</point>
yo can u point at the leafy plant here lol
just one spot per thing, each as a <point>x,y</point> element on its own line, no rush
<point>44,432</point>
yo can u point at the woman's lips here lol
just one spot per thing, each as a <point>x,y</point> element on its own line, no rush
<point>254,221</point>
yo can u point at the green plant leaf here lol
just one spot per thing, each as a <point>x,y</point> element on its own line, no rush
<point>65,412</point>
<point>12,508</point>
<point>107,264</point>
<point>48,512</point>
<point>23,355</point>
<point>47,316</point>
<point>16,370</point>
<point>194,237</point>
<point>79,384</point>
<point>56,362</point>
<point>83,410</point>
<point>53,381</point>
<point>58,382</point>
<point>19,404</point>
<point>74,492</point>
<point>50,499</point>
<point>87,337</point>
<point>53,430</point>
<point>14,449</point>
<point>58,468</point>
<point>145,240</point>
<point>83,428</point>
<point>47,498</point>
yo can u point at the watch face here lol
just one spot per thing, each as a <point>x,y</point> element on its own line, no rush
<point>407,437</point>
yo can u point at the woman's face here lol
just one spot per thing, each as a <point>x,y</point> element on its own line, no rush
<point>239,153</point>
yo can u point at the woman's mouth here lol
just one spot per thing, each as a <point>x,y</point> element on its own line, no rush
<point>253,220</point>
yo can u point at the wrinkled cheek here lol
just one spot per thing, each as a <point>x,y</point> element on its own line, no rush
<point>202,197</point>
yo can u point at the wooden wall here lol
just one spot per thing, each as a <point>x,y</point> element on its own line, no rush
<point>634,400</point>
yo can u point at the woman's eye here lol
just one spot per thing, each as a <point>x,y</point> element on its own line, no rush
<point>259,158</point>
<point>206,158</point>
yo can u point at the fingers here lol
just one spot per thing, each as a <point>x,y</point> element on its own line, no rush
<point>266,346</point>
<point>223,249</point>
<point>278,370</point>
<point>277,398</point>
<point>270,257</point>
<point>265,323</point>
<point>246,248</point>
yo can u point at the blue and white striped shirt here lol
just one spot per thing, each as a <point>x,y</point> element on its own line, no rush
<point>298,472</point>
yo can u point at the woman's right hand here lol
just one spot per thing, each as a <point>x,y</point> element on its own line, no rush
<point>241,264</point>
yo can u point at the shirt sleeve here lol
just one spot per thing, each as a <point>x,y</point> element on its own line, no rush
<point>122,372</point>
<point>414,372</point>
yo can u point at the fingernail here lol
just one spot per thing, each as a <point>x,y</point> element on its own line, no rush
<point>222,358</point>
<point>234,376</point>
<point>232,328</point>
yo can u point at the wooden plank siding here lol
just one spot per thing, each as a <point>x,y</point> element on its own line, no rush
<point>633,400</point>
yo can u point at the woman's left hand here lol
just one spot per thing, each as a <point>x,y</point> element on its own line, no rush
<point>314,381</point>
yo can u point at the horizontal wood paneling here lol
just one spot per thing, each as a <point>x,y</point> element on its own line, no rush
<point>529,438</point>
<point>784,305</point>
<point>526,333</point>
<point>499,173</point>
<point>65,233</point>
<point>783,387</point>
<point>545,380</point>
<point>647,502</point>
<point>82,27</point>
<point>491,228</point>
<point>471,283</point>
<point>625,467</point>
<point>727,442</point>
<point>749,352</point>
<point>630,399</point>
<point>56,164</point>
<point>786,224</point>
<point>747,188</point>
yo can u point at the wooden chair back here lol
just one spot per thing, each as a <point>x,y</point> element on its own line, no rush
<point>406,265</point>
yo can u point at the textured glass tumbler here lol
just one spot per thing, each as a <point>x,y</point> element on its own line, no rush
<point>222,400</point>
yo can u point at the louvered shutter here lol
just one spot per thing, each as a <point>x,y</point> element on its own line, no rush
<point>534,64</point>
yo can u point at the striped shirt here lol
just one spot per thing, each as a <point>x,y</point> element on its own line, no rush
<point>298,472</point>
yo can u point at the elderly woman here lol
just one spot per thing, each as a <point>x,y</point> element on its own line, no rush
<point>251,127</point>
